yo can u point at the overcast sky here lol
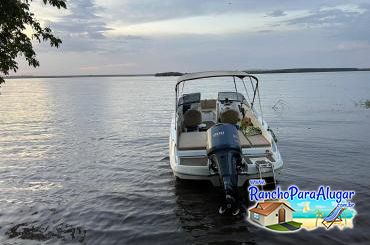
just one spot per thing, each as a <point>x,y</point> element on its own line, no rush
<point>146,36</point>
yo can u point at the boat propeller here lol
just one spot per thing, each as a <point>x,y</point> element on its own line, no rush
<point>229,207</point>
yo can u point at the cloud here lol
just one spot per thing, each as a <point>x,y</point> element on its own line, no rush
<point>213,21</point>
<point>346,8</point>
<point>47,14</point>
<point>82,29</point>
<point>217,24</point>
<point>143,11</point>
<point>320,207</point>
<point>82,22</point>
<point>158,35</point>
<point>78,26</point>
<point>301,204</point>
<point>353,45</point>
<point>135,12</point>
<point>340,15</point>
<point>276,13</point>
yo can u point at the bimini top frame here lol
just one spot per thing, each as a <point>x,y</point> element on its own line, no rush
<point>209,74</point>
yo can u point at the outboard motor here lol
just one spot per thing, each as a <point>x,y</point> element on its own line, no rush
<point>225,155</point>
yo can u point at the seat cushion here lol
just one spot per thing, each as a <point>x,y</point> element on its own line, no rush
<point>192,118</point>
<point>193,141</point>
<point>230,116</point>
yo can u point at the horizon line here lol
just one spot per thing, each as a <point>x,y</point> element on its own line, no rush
<point>175,73</point>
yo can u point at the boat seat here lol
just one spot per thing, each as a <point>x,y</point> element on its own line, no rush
<point>193,141</point>
<point>230,116</point>
<point>192,118</point>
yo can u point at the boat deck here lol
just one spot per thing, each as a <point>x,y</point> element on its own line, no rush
<point>198,141</point>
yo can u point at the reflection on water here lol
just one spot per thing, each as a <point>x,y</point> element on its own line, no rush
<point>86,160</point>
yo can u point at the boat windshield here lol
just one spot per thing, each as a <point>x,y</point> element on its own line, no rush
<point>189,98</point>
<point>232,88</point>
<point>209,88</point>
<point>231,96</point>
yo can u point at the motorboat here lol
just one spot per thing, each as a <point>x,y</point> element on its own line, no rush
<point>219,135</point>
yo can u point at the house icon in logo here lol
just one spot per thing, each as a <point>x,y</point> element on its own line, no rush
<point>271,213</point>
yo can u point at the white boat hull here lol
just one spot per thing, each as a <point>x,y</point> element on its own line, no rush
<point>203,172</point>
<point>260,157</point>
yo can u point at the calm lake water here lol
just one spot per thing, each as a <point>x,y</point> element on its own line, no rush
<point>85,160</point>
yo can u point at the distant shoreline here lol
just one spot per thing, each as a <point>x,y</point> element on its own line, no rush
<point>74,76</point>
<point>306,70</point>
<point>167,74</point>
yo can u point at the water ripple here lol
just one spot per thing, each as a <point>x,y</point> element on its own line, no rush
<point>86,161</point>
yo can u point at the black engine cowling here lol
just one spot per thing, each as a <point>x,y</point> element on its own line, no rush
<point>224,152</point>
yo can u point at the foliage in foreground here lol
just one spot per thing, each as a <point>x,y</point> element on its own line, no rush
<point>15,17</point>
